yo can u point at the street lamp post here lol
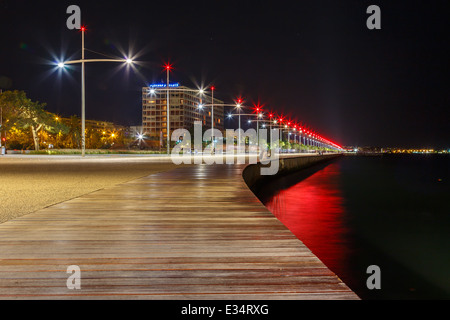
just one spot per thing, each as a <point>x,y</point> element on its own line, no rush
<point>274,122</point>
<point>239,127</point>
<point>168,110</point>
<point>83,89</point>
<point>212,119</point>
<point>239,122</point>
<point>260,116</point>
<point>83,98</point>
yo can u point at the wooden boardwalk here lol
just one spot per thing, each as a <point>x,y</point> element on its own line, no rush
<point>196,232</point>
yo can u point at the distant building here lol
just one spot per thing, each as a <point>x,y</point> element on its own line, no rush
<point>103,125</point>
<point>136,130</point>
<point>95,125</point>
<point>183,104</point>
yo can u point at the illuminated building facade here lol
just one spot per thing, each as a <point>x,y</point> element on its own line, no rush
<point>184,109</point>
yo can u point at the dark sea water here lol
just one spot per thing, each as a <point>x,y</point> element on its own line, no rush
<point>392,211</point>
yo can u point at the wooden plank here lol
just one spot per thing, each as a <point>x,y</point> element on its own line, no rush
<point>196,232</point>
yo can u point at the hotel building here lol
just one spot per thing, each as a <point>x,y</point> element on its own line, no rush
<point>184,109</point>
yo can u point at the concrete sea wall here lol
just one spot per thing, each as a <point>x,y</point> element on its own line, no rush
<point>252,173</point>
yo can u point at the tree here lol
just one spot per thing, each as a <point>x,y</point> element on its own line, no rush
<point>8,101</point>
<point>21,112</point>
<point>73,137</point>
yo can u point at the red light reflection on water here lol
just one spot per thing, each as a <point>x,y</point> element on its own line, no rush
<point>313,210</point>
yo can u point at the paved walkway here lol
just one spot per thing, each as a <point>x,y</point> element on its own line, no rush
<point>194,232</point>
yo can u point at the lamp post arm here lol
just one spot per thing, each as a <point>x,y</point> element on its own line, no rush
<point>94,60</point>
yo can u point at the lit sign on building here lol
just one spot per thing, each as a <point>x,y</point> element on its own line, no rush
<point>163,85</point>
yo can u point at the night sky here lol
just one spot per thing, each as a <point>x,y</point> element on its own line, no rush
<point>314,61</point>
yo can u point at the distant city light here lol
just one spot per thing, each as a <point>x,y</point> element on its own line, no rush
<point>129,61</point>
<point>61,65</point>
